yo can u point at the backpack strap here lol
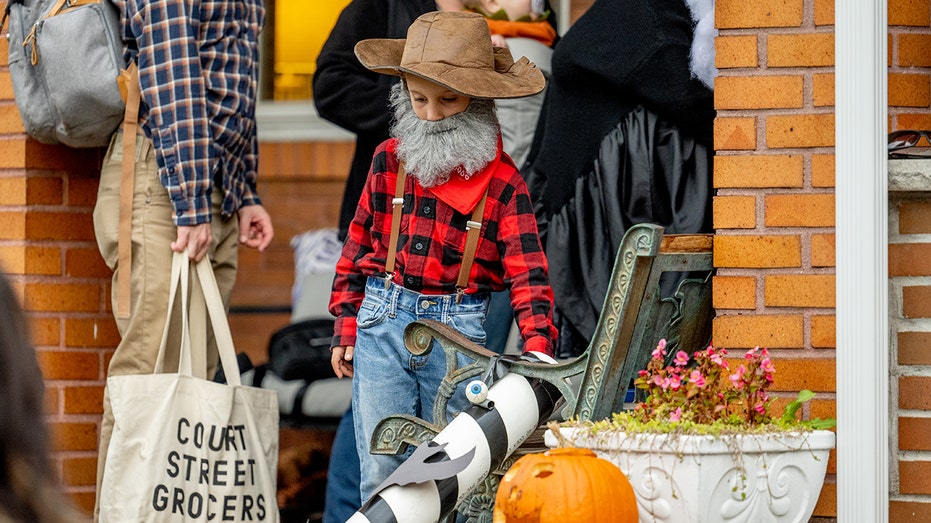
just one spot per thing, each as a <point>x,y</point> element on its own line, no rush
<point>128,165</point>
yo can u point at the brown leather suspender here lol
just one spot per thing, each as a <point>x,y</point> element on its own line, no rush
<point>473,228</point>
<point>397,204</point>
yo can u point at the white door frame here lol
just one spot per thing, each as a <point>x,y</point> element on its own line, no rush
<point>862,261</point>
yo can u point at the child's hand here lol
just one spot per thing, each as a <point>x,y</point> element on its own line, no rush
<point>499,41</point>
<point>341,359</point>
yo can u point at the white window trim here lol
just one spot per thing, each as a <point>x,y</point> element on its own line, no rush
<point>296,121</point>
<point>861,105</point>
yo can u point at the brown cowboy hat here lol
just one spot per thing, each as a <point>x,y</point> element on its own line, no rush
<point>453,49</point>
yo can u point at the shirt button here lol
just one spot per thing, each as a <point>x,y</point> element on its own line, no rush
<point>418,246</point>
<point>426,209</point>
<point>410,280</point>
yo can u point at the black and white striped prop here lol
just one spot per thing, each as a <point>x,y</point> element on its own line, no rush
<point>477,441</point>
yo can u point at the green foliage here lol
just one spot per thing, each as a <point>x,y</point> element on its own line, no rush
<point>708,394</point>
<point>789,419</point>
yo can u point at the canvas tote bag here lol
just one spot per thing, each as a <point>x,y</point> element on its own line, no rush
<point>184,448</point>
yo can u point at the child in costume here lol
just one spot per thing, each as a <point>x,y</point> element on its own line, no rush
<point>463,225</point>
<point>524,27</point>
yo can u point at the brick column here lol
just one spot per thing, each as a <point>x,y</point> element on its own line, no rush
<point>48,251</point>
<point>774,209</point>
<point>910,319</point>
<point>909,268</point>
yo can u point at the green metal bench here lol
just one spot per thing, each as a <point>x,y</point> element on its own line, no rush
<point>594,385</point>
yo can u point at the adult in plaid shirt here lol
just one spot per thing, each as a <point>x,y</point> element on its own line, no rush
<point>446,136</point>
<point>195,165</point>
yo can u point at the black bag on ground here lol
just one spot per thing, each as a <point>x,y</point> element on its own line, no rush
<point>301,350</point>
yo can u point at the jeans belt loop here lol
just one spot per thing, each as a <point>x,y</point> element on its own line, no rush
<point>393,301</point>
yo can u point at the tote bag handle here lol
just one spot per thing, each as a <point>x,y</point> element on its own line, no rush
<point>203,292</point>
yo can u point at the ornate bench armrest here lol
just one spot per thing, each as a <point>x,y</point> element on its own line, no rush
<point>394,433</point>
<point>419,337</point>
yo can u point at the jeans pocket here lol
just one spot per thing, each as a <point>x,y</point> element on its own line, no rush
<point>372,312</point>
<point>471,325</point>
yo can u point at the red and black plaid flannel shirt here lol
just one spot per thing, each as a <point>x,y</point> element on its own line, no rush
<point>430,249</point>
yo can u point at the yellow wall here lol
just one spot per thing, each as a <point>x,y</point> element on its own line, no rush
<point>301,28</point>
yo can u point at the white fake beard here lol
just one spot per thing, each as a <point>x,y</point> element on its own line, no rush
<point>465,142</point>
<point>702,54</point>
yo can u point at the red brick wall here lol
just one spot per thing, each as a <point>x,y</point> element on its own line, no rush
<point>774,209</point>
<point>910,215</point>
<point>48,251</point>
<point>910,320</point>
<point>909,64</point>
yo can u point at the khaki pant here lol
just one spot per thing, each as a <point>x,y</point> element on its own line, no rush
<point>152,233</point>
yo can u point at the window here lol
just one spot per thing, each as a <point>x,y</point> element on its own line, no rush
<point>294,33</point>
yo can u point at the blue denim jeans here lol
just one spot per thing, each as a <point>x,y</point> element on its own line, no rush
<point>342,481</point>
<point>499,321</point>
<point>389,379</point>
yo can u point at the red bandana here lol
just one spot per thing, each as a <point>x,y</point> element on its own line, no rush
<point>463,195</point>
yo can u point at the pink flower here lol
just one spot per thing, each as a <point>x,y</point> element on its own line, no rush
<point>716,393</point>
<point>767,365</point>
<point>737,377</point>
<point>675,381</point>
<point>682,359</point>
<point>660,350</point>
<point>676,414</point>
<point>697,379</point>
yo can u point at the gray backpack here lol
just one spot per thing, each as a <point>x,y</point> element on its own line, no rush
<point>65,58</point>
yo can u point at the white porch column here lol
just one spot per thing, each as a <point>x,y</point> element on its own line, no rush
<point>862,262</point>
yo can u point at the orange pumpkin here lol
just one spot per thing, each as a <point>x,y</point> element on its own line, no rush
<point>565,485</point>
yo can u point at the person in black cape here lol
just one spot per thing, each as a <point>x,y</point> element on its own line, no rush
<point>625,137</point>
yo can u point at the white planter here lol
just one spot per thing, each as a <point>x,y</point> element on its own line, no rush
<point>708,479</point>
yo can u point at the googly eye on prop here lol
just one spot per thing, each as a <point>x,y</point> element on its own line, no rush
<point>477,391</point>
